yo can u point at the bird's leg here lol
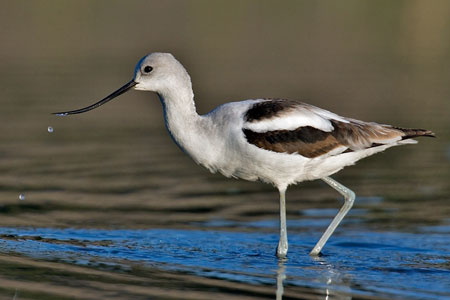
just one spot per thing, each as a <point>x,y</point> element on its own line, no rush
<point>349,198</point>
<point>283,244</point>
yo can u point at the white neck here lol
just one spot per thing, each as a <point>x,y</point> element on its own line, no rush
<point>187,128</point>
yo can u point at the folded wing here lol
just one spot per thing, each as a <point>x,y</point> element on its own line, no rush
<point>294,127</point>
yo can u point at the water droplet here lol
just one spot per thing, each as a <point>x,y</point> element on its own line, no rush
<point>50,129</point>
<point>22,197</point>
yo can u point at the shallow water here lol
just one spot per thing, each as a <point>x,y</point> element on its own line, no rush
<point>104,206</point>
<point>356,264</point>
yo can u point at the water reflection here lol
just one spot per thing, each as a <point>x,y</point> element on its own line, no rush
<point>246,259</point>
<point>334,280</point>
<point>16,294</point>
<point>330,284</point>
<point>281,276</point>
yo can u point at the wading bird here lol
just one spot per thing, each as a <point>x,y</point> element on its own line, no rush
<point>277,141</point>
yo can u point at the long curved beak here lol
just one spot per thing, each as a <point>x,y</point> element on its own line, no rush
<point>120,91</point>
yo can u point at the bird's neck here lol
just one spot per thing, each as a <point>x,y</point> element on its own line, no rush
<point>182,120</point>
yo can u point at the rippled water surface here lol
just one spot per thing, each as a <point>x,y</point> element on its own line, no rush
<point>356,264</point>
<point>104,206</point>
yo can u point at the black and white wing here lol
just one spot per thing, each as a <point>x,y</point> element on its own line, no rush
<point>294,127</point>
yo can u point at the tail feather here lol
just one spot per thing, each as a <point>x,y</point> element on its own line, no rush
<point>412,133</point>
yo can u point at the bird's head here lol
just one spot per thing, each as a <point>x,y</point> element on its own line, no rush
<point>156,72</point>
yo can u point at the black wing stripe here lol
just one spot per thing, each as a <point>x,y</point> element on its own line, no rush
<point>269,109</point>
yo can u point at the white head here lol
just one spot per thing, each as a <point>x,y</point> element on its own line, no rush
<point>156,72</point>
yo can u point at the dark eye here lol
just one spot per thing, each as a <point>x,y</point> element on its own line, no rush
<point>148,69</point>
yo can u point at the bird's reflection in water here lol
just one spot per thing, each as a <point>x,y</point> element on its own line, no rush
<point>335,283</point>
<point>281,275</point>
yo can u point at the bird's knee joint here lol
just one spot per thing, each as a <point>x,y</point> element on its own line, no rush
<point>350,198</point>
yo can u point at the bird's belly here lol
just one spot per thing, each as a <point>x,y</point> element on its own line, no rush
<point>252,163</point>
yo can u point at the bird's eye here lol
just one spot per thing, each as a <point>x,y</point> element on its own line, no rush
<point>147,69</point>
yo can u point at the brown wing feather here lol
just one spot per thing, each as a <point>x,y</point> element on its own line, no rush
<point>307,141</point>
<point>360,135</point>
<point>412,133</point>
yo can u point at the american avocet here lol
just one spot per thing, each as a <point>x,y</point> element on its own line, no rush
<point>277,141</point>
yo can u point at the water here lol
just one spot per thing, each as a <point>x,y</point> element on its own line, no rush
<point>358,263</point>
<point>21,197</point>
<point>50,129</point>
<point>114,210</point>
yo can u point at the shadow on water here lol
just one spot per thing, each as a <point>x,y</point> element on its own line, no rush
<point>348,269</point>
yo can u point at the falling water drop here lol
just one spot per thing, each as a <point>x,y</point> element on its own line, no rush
<point>22,197</point>
<point>50,129</point>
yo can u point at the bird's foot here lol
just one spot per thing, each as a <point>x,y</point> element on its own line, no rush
<point>282,250</point>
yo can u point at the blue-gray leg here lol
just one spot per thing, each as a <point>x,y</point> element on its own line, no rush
<point>282,248</point>
<point>349,198</point>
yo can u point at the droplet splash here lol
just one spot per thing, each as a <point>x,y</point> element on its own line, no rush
<point>50,129</point>
<point>22,197</point>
